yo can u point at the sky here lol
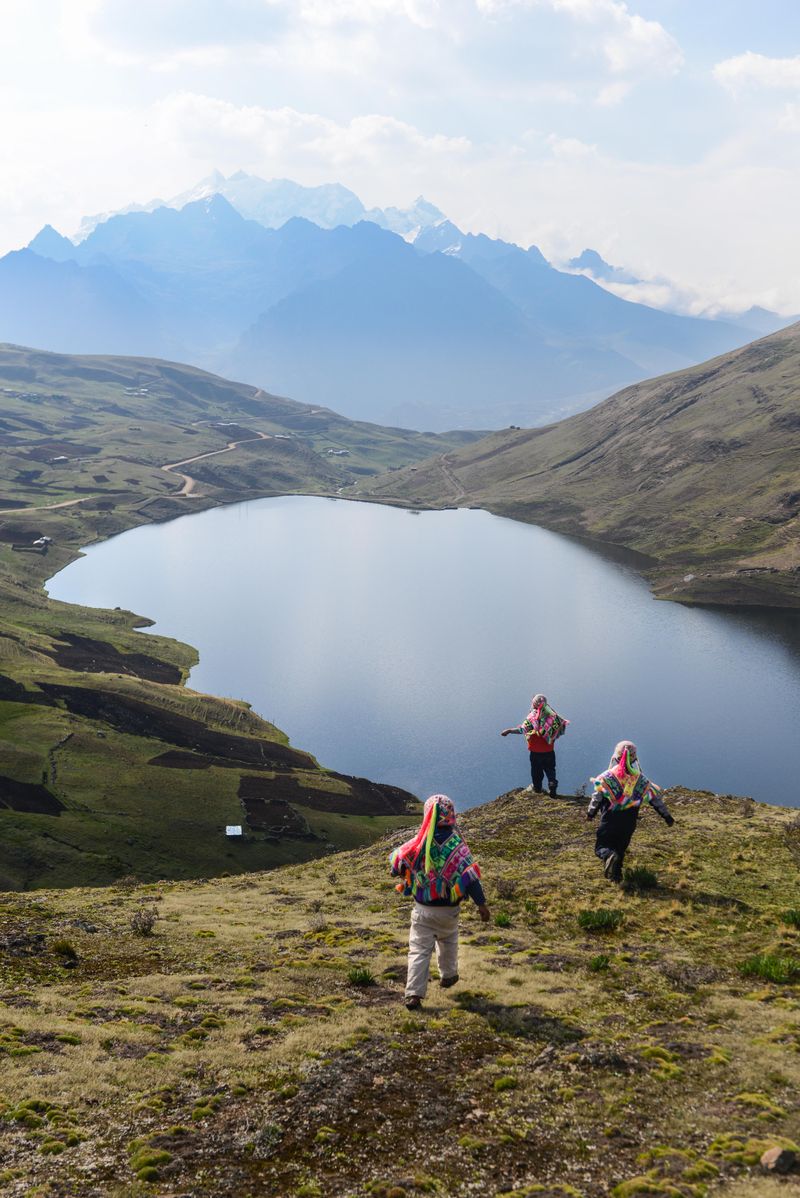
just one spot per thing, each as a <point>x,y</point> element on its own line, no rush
<point>663,133</point>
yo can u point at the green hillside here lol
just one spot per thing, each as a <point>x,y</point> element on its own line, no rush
<point>699,472</point>
<point>602,1043</point>
<point>109,766</point>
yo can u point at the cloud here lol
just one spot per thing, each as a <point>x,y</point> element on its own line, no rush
<point>631,45</point>
<point>232,134</point>
<point>757,70</point>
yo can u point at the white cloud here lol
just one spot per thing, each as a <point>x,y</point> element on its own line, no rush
<point>233,134</point>
<point>569,147</point>
<point>631,45</point>
<point>757,70</point>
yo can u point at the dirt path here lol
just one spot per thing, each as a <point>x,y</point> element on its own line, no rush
<point>188,488</point>
<point>451,479</point>
<point>190,484</point>
<point>45,507</point>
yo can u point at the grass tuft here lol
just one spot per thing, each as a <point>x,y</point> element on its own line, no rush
<point>600,920</point>
<point>771,967</point>
<point>359,975</point>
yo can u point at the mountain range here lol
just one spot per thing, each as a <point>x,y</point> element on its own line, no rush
<point>432,329</point>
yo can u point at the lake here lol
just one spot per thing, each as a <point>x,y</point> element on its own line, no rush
<point>396,645</point>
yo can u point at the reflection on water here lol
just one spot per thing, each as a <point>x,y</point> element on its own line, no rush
<point>397,648</point>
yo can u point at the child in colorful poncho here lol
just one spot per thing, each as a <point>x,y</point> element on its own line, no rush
<point>618,794</point>
<point>541,727</point>
<point>437,869</point>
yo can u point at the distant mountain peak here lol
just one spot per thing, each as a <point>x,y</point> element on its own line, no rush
<point>48,243</point>
<point>593,264</point>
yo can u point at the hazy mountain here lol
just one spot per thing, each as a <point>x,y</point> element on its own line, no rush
<point>591,262</point>
<point>574,311</point>
<point>699,470</point>
<point>664,295</point>
<point>452,329</point>
<point>74,309</point>
<point>408,222</point>
<point>416,340</point>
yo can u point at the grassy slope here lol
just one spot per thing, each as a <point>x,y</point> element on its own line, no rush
<point>696,470</point>
<point>232,1046</point>
<point>121,814</point>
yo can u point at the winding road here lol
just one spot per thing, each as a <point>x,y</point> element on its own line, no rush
<point>189,483</point>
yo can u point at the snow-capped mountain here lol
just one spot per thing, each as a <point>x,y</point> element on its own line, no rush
<point>272,202</point>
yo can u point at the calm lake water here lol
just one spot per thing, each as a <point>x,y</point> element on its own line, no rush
<point>396,645</point>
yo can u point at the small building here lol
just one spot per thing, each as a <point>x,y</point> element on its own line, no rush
<point>233,829</point>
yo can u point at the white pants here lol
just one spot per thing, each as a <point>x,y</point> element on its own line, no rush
<point>431,927</point>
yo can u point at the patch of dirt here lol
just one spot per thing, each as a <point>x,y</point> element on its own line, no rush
<point>98,657</point>
<point>28,796</point>
<point>364,798</point>
<point>139,718</point>
<point>264,813</point>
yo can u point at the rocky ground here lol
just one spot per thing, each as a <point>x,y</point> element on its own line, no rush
<point>247,1036</point>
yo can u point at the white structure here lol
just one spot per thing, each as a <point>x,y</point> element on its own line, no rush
<point>233,829</point>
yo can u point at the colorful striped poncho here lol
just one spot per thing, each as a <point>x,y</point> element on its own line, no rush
<point>623,786</point>
<point>432,871</point>
<point>542,721</point>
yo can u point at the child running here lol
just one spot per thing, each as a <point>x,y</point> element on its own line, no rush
<point>618,794</point>
<point>438,870</point>
<point>542,727</point>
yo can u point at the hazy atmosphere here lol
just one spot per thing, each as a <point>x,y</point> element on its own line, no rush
<point>654,131</point>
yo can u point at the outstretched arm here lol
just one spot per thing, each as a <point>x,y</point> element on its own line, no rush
<point>658,804</point>
<point>512,731</point>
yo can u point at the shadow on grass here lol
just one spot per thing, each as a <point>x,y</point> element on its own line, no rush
<point>524,1021</point>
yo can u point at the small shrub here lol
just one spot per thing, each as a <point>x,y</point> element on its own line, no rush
<point>143,920</point>
<point>318,923</point>
<point>506,888</point>
<point>502,920</point>
<point>65,949</point>
<point>600,963</point>
<point>639,878</point>
<point>505,1083</point>
<point>315,904</point>
<point>359,975</point>
<point>602,920</point>
<point>792,917</point>
<point>771,967</point>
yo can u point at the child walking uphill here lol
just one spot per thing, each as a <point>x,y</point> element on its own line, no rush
<point>618,794</point>
<point>542,727</point>
<point>438,871</point>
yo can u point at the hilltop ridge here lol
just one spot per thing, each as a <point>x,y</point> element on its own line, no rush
<point>602,1041</point>
<point>696,472</point>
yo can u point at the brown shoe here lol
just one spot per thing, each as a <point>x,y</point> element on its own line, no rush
<point>413,1003</point>
<point>446,983</point>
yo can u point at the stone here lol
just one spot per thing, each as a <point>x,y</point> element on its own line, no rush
<point>778,1160</point>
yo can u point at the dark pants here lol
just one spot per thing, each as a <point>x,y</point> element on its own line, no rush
<point>541,764</point>
<point>615,832</point>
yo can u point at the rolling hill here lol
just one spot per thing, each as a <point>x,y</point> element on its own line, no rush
<point>109,765</point>
<point>697,471</point>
